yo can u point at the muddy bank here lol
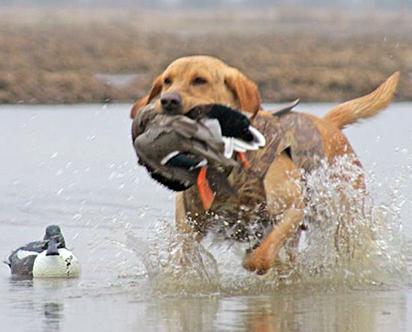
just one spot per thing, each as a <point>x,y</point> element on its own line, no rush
<point>101,56</point>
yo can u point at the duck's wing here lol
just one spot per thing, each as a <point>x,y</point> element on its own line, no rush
<point>202,138</point>
<point>142,120</point>
<point>25,252</point>
<point>183,160</point>
<point>175,134</point>
<point>174,147</point>
<point>35,247</point>
<point>172,184</point>
<point>165,137</point>
<point>237,132</point>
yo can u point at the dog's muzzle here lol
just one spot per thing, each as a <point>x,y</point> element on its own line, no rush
<point>171,102</point>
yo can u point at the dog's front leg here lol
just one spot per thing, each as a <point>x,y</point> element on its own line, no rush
<point>284,199</point>
<point>264,256</point>
<point>181,219</point>
<point>180,215</point>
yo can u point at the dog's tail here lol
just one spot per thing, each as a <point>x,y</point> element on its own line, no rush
<point>364,107</point>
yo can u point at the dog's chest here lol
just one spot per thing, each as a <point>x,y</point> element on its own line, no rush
<point>244,216</point>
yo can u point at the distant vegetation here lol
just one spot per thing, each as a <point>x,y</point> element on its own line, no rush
<point>358,4</point>
<point>72,56</point>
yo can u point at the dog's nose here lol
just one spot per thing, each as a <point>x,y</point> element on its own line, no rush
<point>171,102</point>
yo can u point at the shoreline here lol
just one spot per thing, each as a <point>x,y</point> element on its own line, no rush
<point>77,56</point>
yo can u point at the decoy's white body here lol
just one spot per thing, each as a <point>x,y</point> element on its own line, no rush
<point>48,258</point>
<point>64,265</point>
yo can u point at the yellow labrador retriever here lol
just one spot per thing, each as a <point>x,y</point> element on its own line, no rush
<point>269,192</point>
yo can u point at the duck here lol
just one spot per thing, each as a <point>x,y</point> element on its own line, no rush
<point>48,258</point>
<point>199,147</point>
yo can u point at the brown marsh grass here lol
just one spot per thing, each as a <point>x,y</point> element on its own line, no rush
<point>76,56</point>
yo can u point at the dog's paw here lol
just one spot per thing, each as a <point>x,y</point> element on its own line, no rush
<point>258,261</point>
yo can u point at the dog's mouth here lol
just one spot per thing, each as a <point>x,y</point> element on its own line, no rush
<point>173,110</point>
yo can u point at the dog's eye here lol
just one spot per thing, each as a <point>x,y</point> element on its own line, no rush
<point>199,81</point>
<point>167,81</point>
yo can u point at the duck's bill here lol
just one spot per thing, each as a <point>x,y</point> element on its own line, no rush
<point>52,248</point>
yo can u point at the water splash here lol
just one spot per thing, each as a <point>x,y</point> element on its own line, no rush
<point>351,241</point>
<point>175,263</point>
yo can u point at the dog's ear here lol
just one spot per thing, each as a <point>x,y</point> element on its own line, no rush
<point>154,91</point>
<point>244,90</point>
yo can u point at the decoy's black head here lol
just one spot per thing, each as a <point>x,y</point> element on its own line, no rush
<point>54,240</point>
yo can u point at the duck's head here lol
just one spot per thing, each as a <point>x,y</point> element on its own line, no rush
<point>54,240</point>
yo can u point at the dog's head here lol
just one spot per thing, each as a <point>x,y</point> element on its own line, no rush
<point>197,80</point>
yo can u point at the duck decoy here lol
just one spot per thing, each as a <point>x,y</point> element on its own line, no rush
<point>197,147</point>
<point>48,258</point>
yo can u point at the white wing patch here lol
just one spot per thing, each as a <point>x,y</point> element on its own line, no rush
<point>21,254</point>
<point>229,148</point>
<point>259,138</point>
<point>233,144</point>
<point>201,163</point>
<point>170,156</point>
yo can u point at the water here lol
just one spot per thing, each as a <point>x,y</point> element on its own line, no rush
<point>75,166</point>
